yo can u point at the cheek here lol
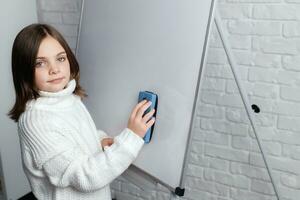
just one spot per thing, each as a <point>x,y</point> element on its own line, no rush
<point>39,75</point>
<point>67,68</point>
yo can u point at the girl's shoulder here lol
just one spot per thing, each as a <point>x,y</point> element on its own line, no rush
<point>38,119</point>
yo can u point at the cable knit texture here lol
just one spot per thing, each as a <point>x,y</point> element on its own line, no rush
<point>61,151</point>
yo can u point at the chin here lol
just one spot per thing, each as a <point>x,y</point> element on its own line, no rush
<point>57,88</point>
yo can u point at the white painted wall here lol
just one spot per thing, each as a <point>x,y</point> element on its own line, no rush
<point>14,15</point>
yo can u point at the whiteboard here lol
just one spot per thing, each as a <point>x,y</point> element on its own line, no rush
<point>131,46</point>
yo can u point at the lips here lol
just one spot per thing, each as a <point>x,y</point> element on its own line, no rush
<point>56,80</point>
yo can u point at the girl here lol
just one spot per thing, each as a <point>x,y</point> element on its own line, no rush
<point>64,156</point>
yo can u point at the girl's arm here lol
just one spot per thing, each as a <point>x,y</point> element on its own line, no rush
<point>101,134</point>
<point>66,165</point>
<point>89,173</point>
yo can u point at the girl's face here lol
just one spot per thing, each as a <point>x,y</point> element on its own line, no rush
<point>52,67</point>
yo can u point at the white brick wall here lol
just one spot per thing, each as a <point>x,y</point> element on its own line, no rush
<point>64,15</point>
<point>224,162</point>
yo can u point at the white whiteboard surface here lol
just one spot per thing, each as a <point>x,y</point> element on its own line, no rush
<point>130,46</point>
<point>14,15</point>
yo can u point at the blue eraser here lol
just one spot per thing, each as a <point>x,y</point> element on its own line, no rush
<point>149,96</point>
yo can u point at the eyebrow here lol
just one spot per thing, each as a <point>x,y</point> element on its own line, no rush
<point>63,52</point>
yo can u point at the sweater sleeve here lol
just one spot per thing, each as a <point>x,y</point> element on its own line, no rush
<point>101,134</point>
<point>66,165</point>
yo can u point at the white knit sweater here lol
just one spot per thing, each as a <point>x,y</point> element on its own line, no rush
<point>61,151</point>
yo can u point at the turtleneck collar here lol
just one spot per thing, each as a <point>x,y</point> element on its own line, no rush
<point>69,89</point>
<point>55,100</point>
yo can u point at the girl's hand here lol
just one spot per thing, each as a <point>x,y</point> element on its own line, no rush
<point>106,142</point>
<point>139,124</point>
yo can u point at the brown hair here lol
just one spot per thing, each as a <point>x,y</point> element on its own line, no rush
<point>24,52</point>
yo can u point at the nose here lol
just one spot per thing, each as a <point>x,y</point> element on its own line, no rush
<point>54,69</point>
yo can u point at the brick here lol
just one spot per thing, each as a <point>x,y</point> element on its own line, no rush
<point>227,179</point>
<point>275,45</point>
<point>289,193</point>
<point>224,127</point>
<point>290,93</point>
<point>290,180</point>
<point>249,171</point>
<point>256,159</point>
<point>238,194</point>
<point>63,5</point>
<point>216,56</point>
<point>250,27</point>
<point>216,138</point>
<point>230,100</point>
<point>270,148</point>
<point>276,12</point>
<point>262,75</point>
<point>237,115</point>
<point>243,143</point>
<point>125,196</point>
<point>242,42</point>
<point>209,111</point>
<point>71,18</point>
<point>265,133</point>
<point>211,187</point>
<point>213,84</point>
<point>291,63</point>
<point>209,162</point>
<point>284,164</point>
<point>218,164</point>
<point>197,147</point>
<point>262,187</point>
<point>254,1</point>
<point>292,151</point>
<point>198,159</point>
<point>194,170</point>
<point>67,30</point>
<point>266,60</point>
<point>195,194</point>
<point>291,29</point>
<point>162,196</point>
<point>210,97</point>
<point>289,123</point>
<point>231,86</point>
<point>292,1</point>
<point>218,71</point>
<point>234,11</point>
<point>265,90</point>
<point>265,119</point>
<point>287,137</point>
<point>50,17</point>
<point>286,108</point>
<point>288,77</point>
<point>226,153</point>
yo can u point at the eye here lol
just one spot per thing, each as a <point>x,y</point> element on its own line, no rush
<point>39,63</point>
<point>61,59</point>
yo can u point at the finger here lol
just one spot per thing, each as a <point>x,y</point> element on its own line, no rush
<point>148,116</point>
<point>142,109</point>
<point>135,109</point>
<point>150,123</point>
<point>110,141</point>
